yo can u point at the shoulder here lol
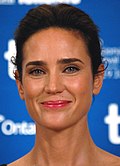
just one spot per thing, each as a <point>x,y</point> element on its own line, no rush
<point>17,162</point>
<point>108,159</point>
<point>21,161</point>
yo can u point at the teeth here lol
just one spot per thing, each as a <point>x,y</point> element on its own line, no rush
<point>55,102</point>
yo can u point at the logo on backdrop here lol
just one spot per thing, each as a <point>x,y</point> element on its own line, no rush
<point>7,2</point>
<point>113,122</point>
<point>37,2</point>
<point>8,55</point>
<point>111,54</point>
<point>9,127</point>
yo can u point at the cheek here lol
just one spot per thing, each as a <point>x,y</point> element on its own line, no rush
<point>32,88</point>
<point>80,85</point>
<point>32,92</point>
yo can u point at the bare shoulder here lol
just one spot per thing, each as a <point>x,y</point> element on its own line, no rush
<point>17,162</point>
<point>102,158</point>
<point>114,160</point>
<point>21,161</point>
<point>109,159</point>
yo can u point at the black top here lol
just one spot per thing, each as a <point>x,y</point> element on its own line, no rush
<point>3,165</point>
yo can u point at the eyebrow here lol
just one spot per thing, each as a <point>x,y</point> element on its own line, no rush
<point>36,63</point>
<point>69,60</point>
<point>61,61</point>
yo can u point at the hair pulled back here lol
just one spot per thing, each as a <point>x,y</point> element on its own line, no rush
<point>62,16</point>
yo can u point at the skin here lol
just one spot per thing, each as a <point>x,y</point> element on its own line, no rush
<point>57,86</point>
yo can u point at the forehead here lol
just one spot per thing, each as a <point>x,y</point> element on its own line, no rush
<point>55,42</point>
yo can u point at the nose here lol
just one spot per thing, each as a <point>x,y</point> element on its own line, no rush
<point>54,84</point>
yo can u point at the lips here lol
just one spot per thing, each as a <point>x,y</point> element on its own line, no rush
<point>56,104</point>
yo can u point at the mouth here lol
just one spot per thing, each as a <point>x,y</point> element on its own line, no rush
<point>56,104</point>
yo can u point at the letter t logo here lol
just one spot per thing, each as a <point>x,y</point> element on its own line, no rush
<point>8,54</point>
<point>113,121</point>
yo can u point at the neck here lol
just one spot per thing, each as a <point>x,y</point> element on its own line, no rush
<point>70,146</point>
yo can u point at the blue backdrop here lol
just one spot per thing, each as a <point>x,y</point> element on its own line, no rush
<point>17,130</point>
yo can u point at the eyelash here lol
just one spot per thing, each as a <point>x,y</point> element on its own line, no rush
<point>36,72</point>
<point>71,69</point>
<point>67,70</point>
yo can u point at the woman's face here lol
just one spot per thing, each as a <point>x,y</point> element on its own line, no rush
<point>57,81</point>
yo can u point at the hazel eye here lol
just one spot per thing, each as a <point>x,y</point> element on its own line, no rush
<point>71,69</point>
<point>36,72</point>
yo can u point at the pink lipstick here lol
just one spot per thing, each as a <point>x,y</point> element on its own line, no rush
<point>56,104</point>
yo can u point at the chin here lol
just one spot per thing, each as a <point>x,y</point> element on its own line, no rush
<point>55,125</point>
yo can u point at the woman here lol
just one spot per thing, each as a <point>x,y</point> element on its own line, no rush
<point>59,70</point>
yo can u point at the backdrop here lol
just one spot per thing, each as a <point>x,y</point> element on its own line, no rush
<point>17,130</point>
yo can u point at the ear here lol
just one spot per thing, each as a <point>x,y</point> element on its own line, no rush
<point>98,80</point>
<point>19,85</point>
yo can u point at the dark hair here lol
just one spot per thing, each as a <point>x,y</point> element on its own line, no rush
<point>62,16</point>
